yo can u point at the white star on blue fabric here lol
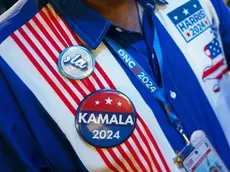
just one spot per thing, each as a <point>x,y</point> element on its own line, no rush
<point>185,11</point>
<point>195,6</point>
<point>175,17</point>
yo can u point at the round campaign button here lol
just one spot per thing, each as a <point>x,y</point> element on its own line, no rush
<point>76,62</point>
<point>106,118</point>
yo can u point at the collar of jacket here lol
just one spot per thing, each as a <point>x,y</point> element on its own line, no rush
<point>87,23</point>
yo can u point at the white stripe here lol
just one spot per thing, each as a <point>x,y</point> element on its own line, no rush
<point>59,32</point>
<point>215,74</point>
<point>49,30</point>
<point>112,161</point>
<point>145,149</point>
<point>122,159</point>
<point>101,78</point>
<point>44,67</point>
<point>153,149</point>
<point>138,152</point>
<point>57,54</point>
<point>84,88</point>
<point>41,35</point>
<point>53,64</point>
<point>91,78</point>
<point>128,153</point>
<point>217,59</point>
<point>67,32</point>
<point>49,58</point>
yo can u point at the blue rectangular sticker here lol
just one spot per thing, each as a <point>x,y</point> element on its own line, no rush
<point>190,20</point>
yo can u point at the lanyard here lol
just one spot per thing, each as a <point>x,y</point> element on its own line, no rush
<point>156,91</point>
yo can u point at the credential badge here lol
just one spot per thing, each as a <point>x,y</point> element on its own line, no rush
<point>106,118</point>
<point>76,62</point>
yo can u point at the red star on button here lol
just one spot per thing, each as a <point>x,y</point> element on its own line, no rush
<point>188,34</point>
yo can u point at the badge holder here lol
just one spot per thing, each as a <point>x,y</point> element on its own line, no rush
<point>200,156</point>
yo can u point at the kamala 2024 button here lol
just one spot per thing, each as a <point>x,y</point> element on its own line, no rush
<point>76,62</point>
<point>106,118</point>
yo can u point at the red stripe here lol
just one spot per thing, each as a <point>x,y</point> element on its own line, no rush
<point>98,80</point>
<point>124,154</point>
<point>49,51</point>
<point>117,160</point>
<point>57,24</point>
<point>47,35</point>
<point>135,156</point>
<point>88,84</point>
<point>143,153</point>
<point>45,32</point>
<point>80,44</point>
<point>148,132</point>
<point>212,69</point>
<point>43,73</point>
<point>222,73</point>
<point>101,71</point>
<point>106,160</point>
<point>149,148</point>
<point>71,31</point>
<point>52,27</point>
<point>45,46</point>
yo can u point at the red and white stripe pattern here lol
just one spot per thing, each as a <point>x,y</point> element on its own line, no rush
<point>216,71</point>
<point>218,67</point>
<point>42,39</point>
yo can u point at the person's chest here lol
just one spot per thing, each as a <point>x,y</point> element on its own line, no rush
<point>37,46</point>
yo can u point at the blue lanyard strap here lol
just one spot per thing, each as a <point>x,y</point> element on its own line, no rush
<point>156,91</point>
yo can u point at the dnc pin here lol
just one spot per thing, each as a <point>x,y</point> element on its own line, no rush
<point>76,62</point>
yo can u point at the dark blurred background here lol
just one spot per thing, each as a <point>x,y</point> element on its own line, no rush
<point>5,4</point>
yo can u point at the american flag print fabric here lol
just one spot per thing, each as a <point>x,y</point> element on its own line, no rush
<point>215,54</point>
<point>38,45</point>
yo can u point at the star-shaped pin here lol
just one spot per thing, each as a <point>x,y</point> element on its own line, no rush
<point>119,104</point>
<point>185,11</point>
<point>97,102</point>
<point>108,101</point>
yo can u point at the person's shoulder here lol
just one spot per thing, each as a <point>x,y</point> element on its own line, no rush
<point>20,13</point>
